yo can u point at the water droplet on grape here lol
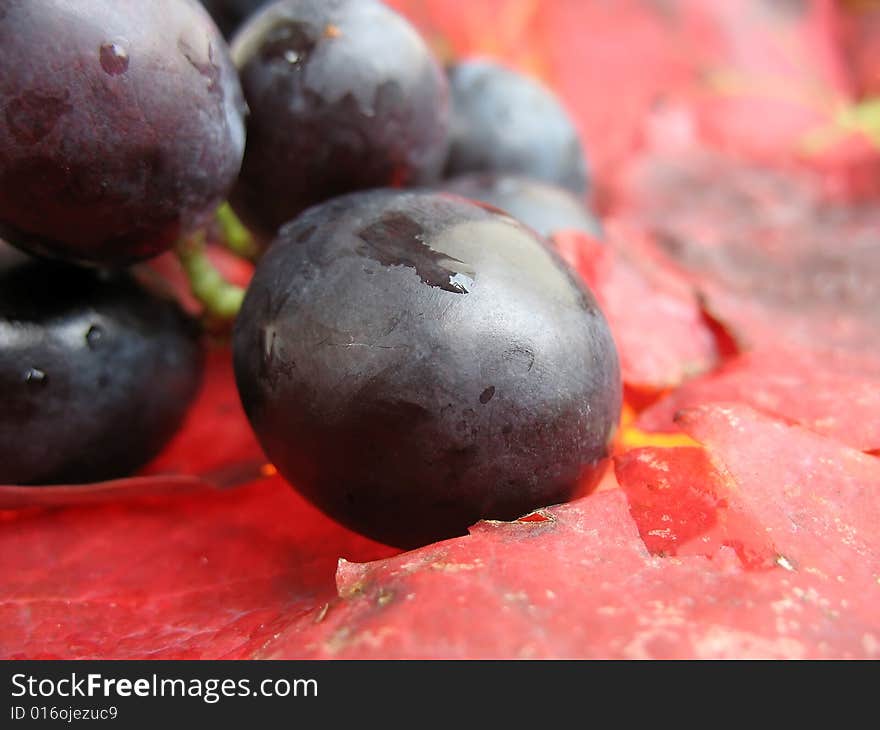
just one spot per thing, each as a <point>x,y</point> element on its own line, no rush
<point>35,376</point>
<point>433,267</point>
<point>269,335</point>
<point>292,42</point>
<point>461,283</point>
<point>114,58</point>
<point>94,336</point>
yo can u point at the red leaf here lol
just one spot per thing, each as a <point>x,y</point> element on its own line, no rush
<point>580,583</point>
<point>817,500</point>
<point>861,44</point>
<point>778,266</point>
<point>793,386</point>
<point>213,576</point>
<point>636,293</point>
<point>772,73</point>
<point>682,505</point>
<point>763,543</point>
<point>571,581</point>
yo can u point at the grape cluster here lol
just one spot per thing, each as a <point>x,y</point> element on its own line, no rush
<point>411,353</point>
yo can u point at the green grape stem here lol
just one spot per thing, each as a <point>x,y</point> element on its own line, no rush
<point>237,238</point>
<point>221,299</point>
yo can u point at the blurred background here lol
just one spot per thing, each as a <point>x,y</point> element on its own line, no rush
<point>790,83</point>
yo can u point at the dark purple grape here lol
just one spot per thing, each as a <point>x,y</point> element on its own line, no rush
<point>544,207</point>
<point>230,14</point>
<point>344,95</point>
<point>96,374</point>
<point>10,255</point>
<point>413,362</point>
<point>122,125</point>
<point>505,122</point>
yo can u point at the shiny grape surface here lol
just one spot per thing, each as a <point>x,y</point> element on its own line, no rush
<point>414,362</point>
<point>546,208</point>
<point>121,128</point>
<point>96,373</point>
<point>506,122</point>
<point>344,95</point>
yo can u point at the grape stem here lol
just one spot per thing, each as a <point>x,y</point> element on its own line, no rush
<point>237,238</point>
<point>221,299</point>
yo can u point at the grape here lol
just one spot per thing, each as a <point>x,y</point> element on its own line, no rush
<point>95,373</point>
<point>541,206</point>
<point>412,362</point>
<point>122,125</point>
<point>230,14</point>
<point>505,122</point>
<point>10,255</point>
<point>344,95</point>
